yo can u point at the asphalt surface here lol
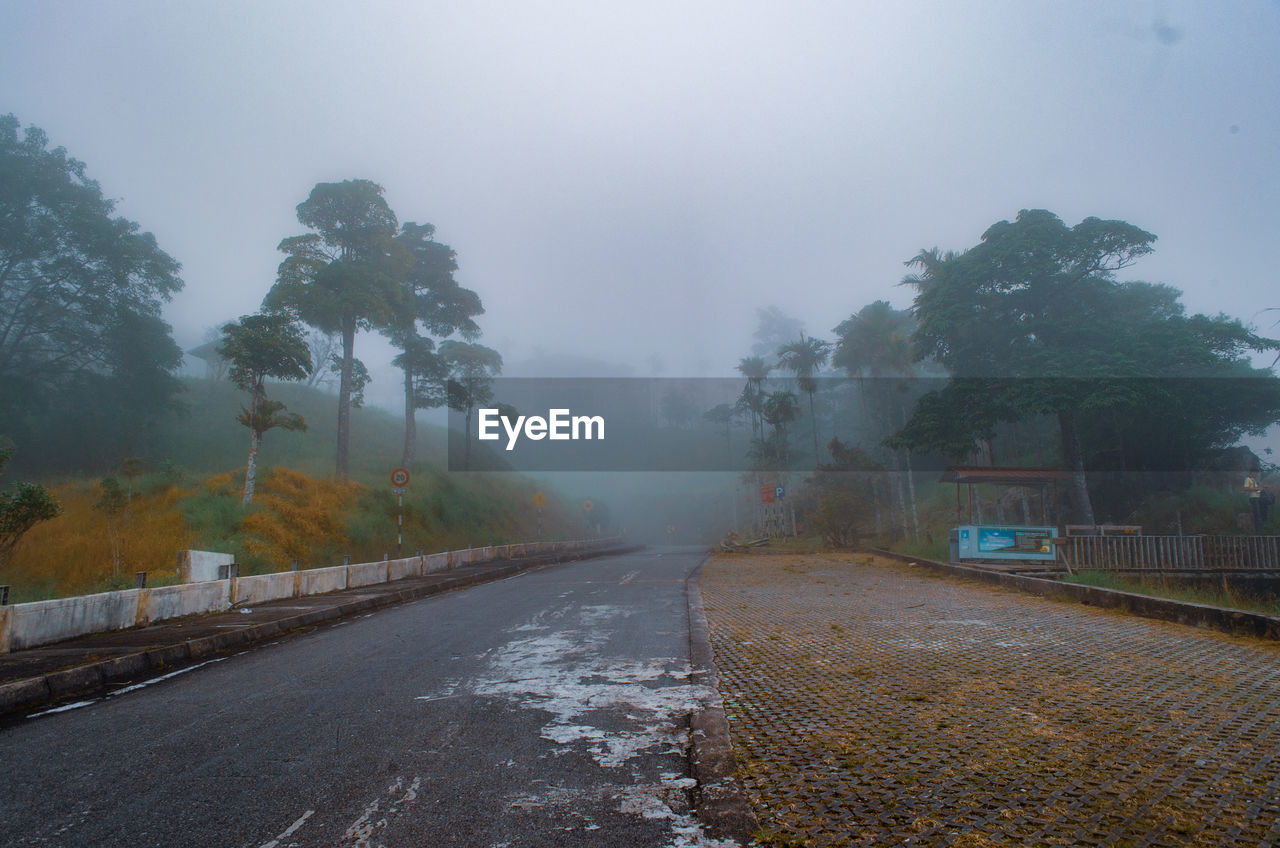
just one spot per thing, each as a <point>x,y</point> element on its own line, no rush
<point>546,709</point>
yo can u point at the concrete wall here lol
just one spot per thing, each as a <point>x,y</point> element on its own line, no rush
<point>366,574</point>
<point>188,599</point>
<point>195,566</point>
<point>43,622</point>
<point>317,581</point>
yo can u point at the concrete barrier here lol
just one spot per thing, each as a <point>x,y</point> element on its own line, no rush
<point>366,574</point>
<point>42,622</point>
<point>39,623</point>
<point>317,581</point>
<point>399,569</point>
<point>261,588</point>
<point>183,599</point>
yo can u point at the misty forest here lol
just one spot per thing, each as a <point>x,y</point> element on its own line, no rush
<point>1026,348</point>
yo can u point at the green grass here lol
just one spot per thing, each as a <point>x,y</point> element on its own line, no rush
<point>1227,597</point>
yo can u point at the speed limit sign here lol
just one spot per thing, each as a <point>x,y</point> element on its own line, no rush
<point>400,478</point>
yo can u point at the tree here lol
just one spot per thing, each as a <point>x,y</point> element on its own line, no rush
<point>428,295</point>
<point>756,369</point>
<point>21,509</point>
<point>471,369</point>
<point>80,297</point>
<point>723,415</point>
<point>803,358</point>
<point>343,277</point>
<point>774,328</point>
<point>1034,316</point>
<point>875,344</point>
<point>262,346</point>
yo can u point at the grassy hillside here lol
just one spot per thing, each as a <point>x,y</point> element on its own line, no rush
<point>189,496</point>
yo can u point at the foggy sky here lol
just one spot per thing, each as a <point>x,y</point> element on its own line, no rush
<point>629,181</point>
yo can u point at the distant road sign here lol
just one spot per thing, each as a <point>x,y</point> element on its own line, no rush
<point>539,500</point>
<point>400,478</point>
<point>767,494</point>
<point>587,506</point>
<point>779,492</point>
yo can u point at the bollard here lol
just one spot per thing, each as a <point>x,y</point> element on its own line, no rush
<point>140,580</point>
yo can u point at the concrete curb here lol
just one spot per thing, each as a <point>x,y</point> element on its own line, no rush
<point>722,805</point>
<point>1233,621</point>
<point>93,678</point>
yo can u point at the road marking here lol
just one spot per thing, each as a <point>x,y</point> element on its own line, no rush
<point>290,830</point>
<point>629,576</point>
<point>165,677</point>
<point>63,708</point>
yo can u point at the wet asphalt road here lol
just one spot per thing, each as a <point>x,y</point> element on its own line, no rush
<point>545,709</point>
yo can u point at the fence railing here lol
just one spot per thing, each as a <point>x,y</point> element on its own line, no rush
<point>1173,553</point>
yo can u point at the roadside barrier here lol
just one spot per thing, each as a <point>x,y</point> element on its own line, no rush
<point>37,623</point>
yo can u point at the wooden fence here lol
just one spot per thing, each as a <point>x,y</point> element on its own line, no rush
<point>1173,553</point>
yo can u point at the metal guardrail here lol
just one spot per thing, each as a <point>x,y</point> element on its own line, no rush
<point>1173,553</point>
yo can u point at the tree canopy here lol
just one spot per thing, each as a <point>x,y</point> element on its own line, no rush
<point>1031,321</point>
<point>343,277</point>
<point>80,296</point>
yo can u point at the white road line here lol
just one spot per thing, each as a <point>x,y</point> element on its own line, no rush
<point>63,708</point>
<point>165,677</point>
<point>290,830</point>
<point>629,576</point>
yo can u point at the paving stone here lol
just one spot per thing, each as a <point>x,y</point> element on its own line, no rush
<point>872,703</point>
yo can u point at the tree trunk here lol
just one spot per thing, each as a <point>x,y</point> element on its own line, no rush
<point>410,420</point>
<point>901,498</point>
<point>466,440</point>
<point>251,470</point>
<point>344,399</point>
<point>911,492</point>
<point>1079,506</point>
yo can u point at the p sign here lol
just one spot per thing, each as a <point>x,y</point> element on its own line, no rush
<point>400,478</point>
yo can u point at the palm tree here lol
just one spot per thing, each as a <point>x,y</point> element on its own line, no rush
<point>756,369</point>
<point>804,358</point>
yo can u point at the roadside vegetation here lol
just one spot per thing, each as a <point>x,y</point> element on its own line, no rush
<point>1223,595</point>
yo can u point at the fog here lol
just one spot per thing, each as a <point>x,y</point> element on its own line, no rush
<point>626,187</point>
<point>630,185</point>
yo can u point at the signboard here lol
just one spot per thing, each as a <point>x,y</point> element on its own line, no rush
<point>400,478</point>
<point>779,492</point>
<point>587,506</point>
<point>768,494</point>
<point>539,500</point>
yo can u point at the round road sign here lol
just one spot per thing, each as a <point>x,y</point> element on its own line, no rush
<point>587,506</point>
<point>400,478</point>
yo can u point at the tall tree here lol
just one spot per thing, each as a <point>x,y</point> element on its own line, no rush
<point>756,369</point>
<point>803,358</point>
<point>429,297</point>
<point>471,369</point>
<point>343,277</point>
<point>80,297</point>
<point>875,347</point>
<point>1035,316</point>
<point>262,346</point>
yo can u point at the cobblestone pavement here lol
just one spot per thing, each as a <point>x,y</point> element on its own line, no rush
<point>872,703</point>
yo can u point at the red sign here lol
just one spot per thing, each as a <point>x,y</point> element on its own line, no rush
<point>400,478</point>
<point>767,494</point>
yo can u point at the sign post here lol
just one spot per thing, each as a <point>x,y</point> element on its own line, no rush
<point>539,501</point>
<point>400,485</point>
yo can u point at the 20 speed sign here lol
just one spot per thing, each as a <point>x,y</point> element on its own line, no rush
<point>400,478</point>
